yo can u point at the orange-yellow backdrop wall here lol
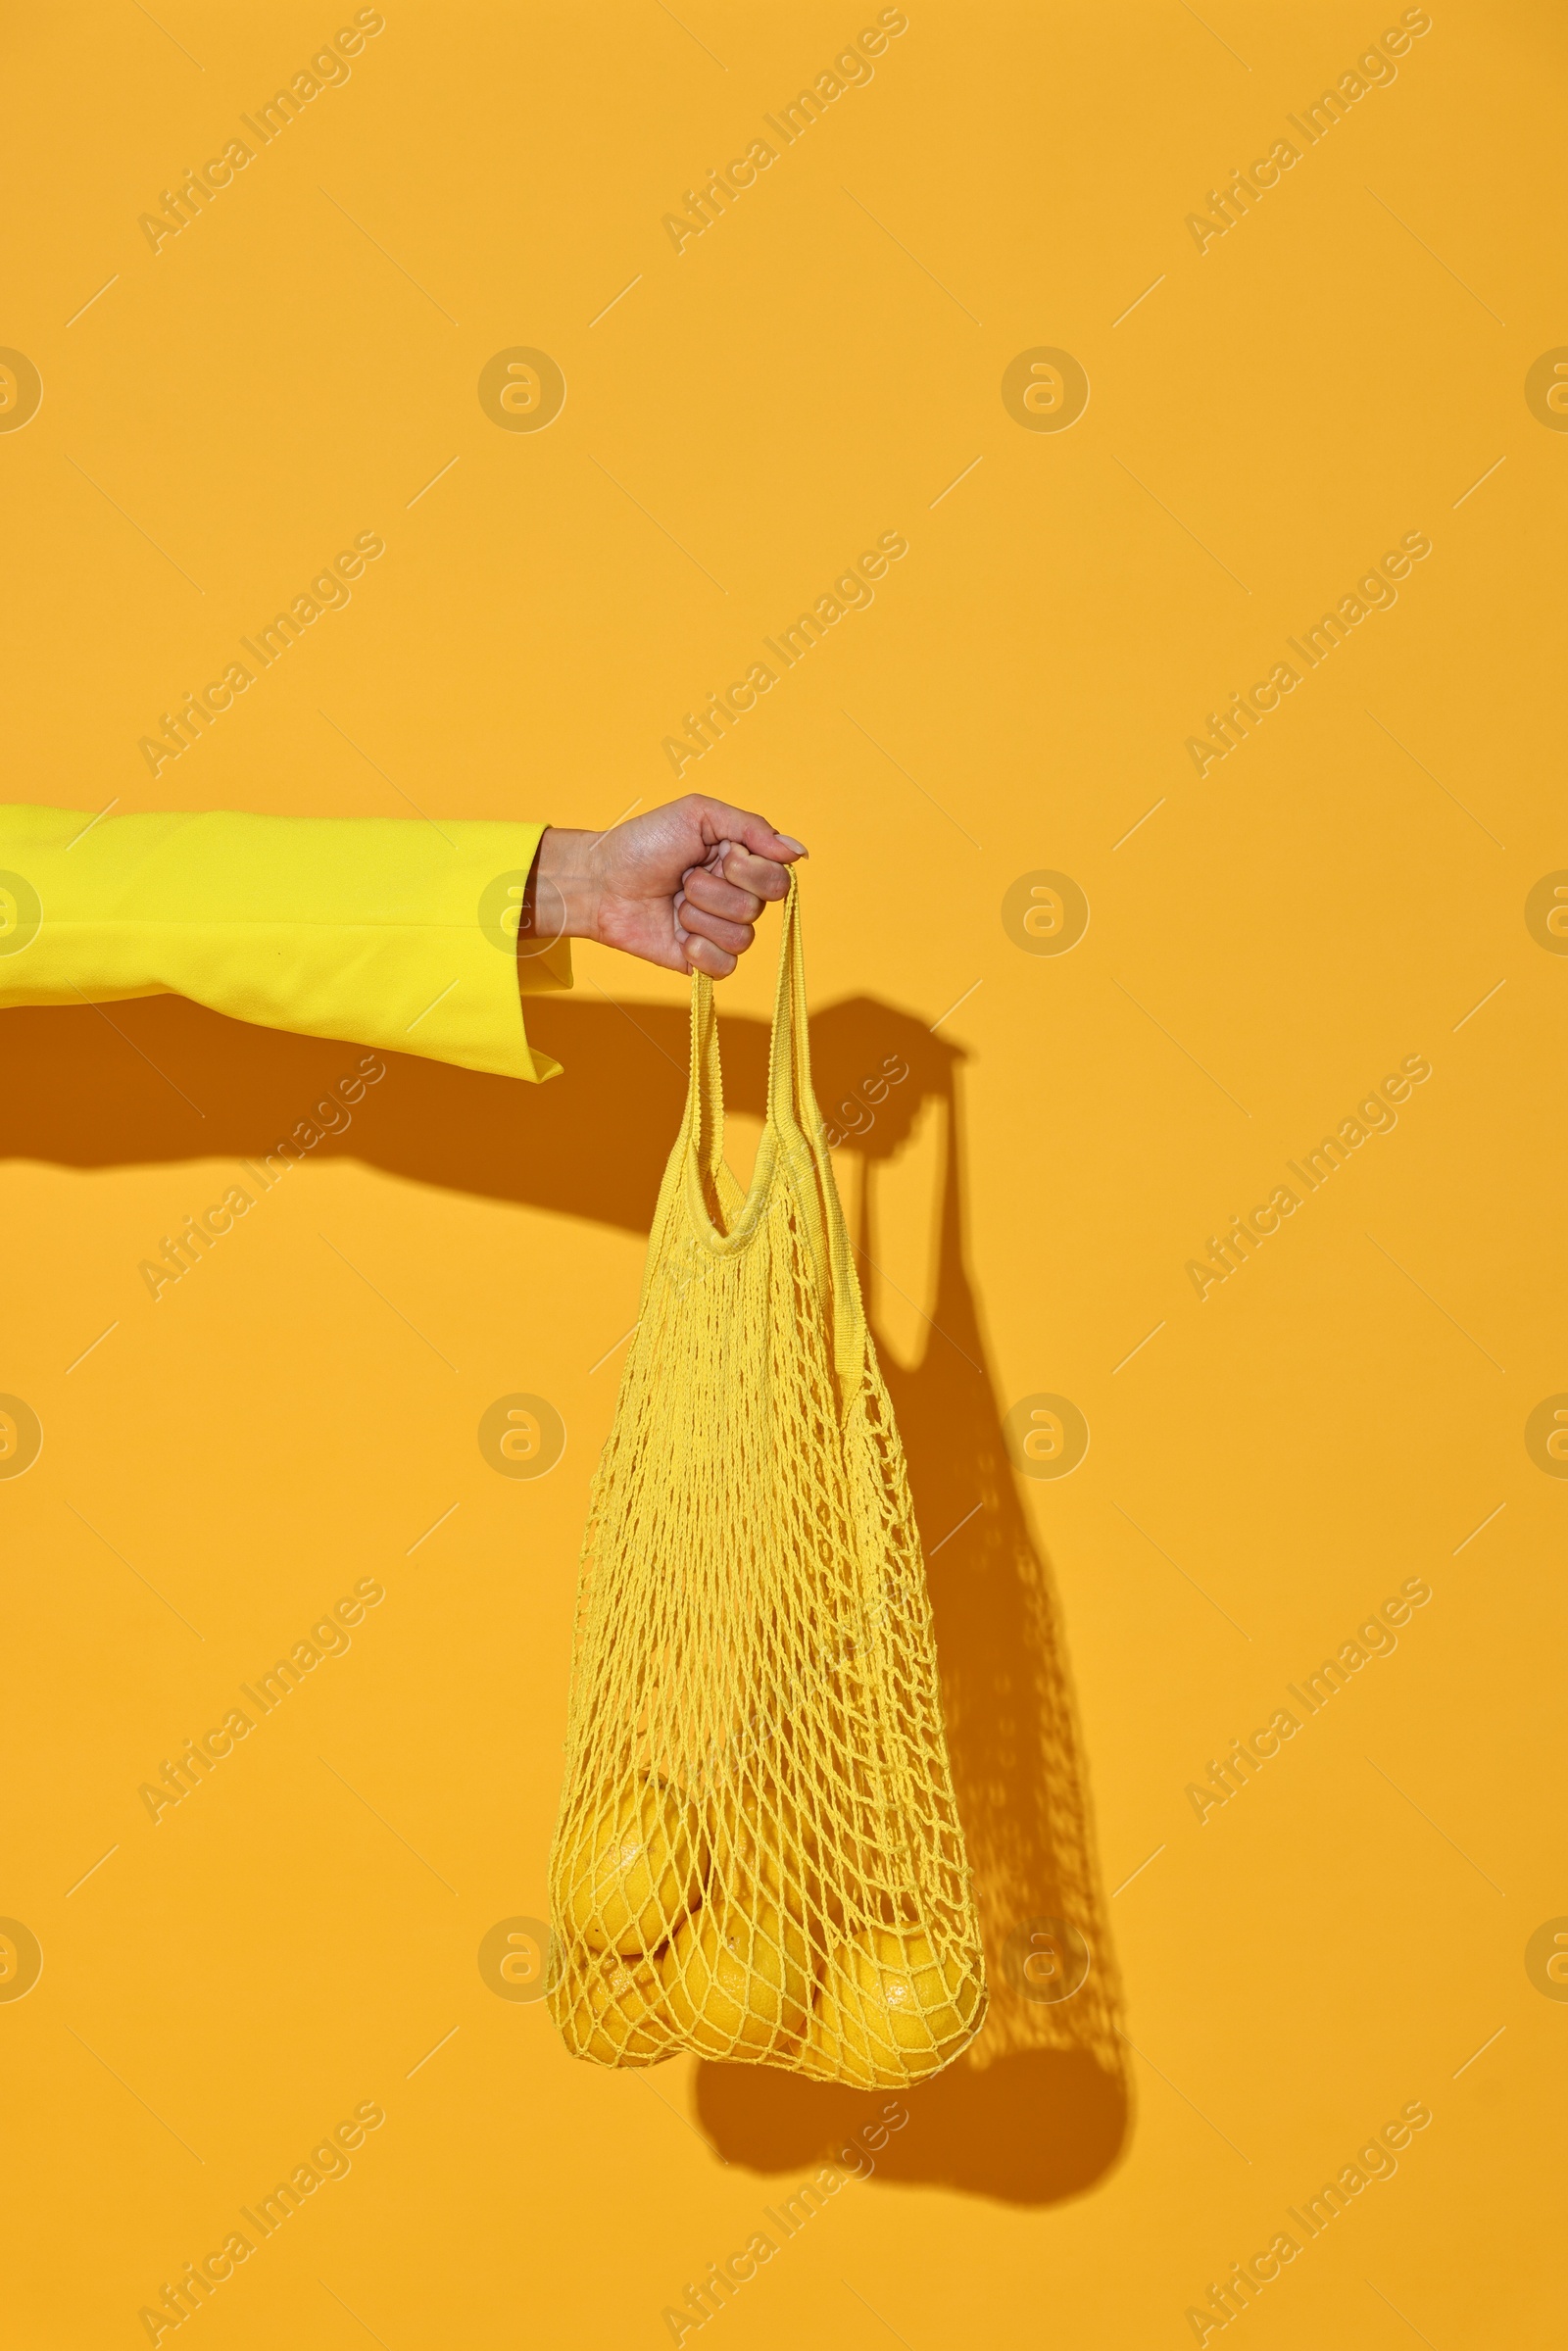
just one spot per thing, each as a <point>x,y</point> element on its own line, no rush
<point>889,329</point>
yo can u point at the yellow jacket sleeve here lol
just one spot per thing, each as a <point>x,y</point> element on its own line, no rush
<point>384,932</point>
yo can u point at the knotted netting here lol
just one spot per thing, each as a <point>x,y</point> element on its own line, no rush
<point>757,1856</point>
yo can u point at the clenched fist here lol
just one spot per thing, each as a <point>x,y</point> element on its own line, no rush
<point>681,887</point>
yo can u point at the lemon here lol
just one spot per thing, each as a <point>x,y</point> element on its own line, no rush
<point>734,1981</point>
<point>640,1865</point>
<point>889,2011</point>
<point>617,2016</point>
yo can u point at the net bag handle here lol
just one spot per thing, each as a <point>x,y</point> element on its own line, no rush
<point>703,1123</point>
<point>800,1131</point>
<point>791,1101</point>
<point>793,1130</point>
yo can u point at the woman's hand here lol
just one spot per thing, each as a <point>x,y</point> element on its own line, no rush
<point>681,887</point>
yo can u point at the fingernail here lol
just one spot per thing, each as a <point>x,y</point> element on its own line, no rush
<point>798,846</point>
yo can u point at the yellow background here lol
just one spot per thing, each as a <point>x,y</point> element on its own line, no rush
<point>1340,891</point>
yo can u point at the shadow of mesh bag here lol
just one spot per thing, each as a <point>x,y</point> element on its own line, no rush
<point>757,1856</point>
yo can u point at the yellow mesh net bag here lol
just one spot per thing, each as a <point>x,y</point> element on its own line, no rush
<point>757,1856</point>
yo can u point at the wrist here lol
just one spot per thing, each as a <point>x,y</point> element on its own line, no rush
<point>564,895</point>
